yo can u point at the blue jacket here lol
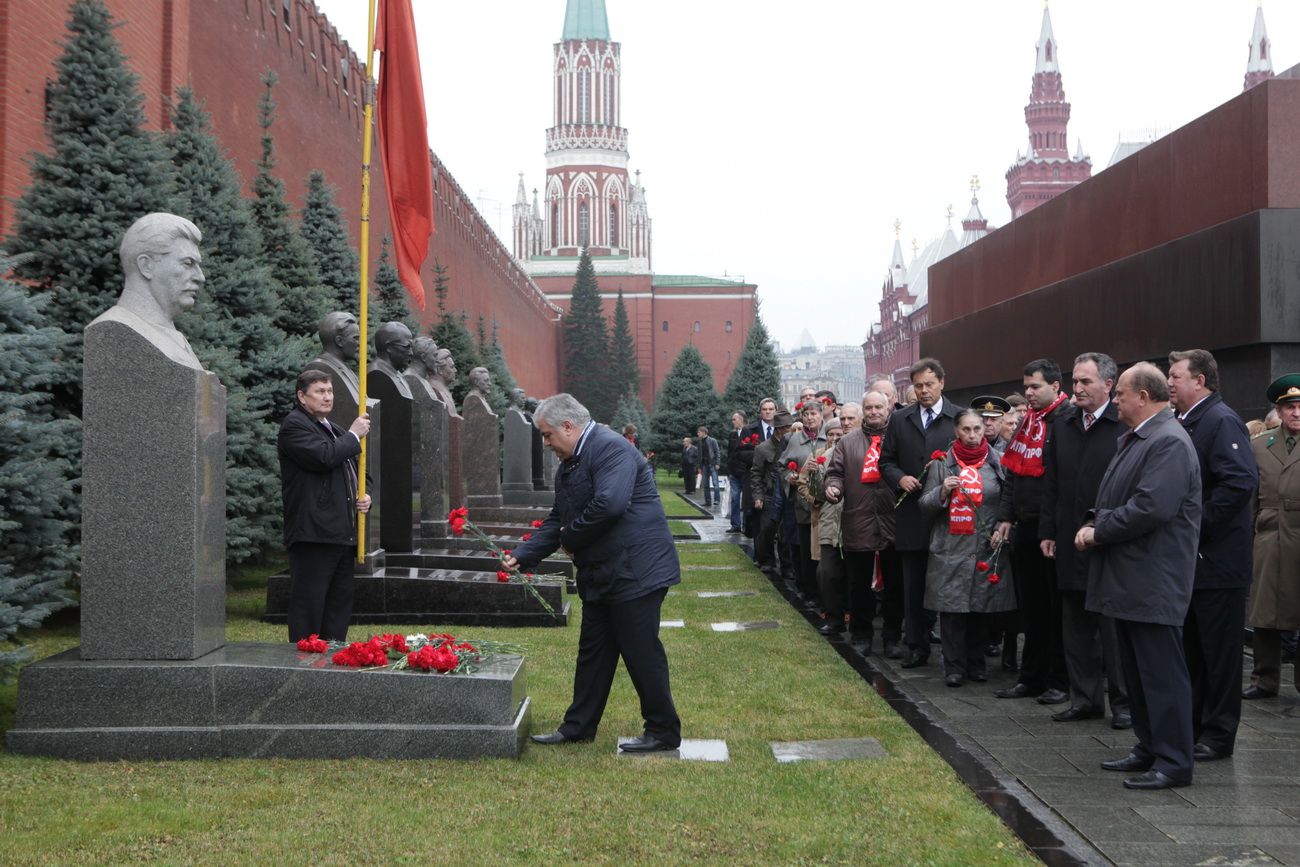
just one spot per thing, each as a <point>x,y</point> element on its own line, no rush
<point>1228,479</point>
<point>609,517</point>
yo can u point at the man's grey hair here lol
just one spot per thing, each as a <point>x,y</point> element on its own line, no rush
<point>1106,367</point>
<point>559,408</point>
<point>856,406</point>
<point>1145,376</point>
<point>153,234</point>
<point>880,377</point>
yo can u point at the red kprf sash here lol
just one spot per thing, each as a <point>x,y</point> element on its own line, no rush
<point>1024,455</point>
<point>969,494</point>
<point>871,464</point>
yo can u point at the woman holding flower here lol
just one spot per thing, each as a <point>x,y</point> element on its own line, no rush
<point>966,579</point>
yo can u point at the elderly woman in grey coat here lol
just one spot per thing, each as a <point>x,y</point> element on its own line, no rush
<point>965,581</point>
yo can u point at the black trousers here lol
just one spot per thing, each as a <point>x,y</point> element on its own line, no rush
<point>689,472</point>
<point>863,602</point>
<point>1160,695</point>
<point>964,636</point>
<point>628,630</point>
<point>1212,642</point>
<point>805,566</point>
<point>1091,656</point>
<point>321,579</point>
<point>831,579</point>
<point>1042,662</point>
<point>916,619</point>
<point>765,539</point>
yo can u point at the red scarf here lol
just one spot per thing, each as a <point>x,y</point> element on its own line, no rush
<point>1024,455</point>
<point>970,490</point>
<point>871,464</point>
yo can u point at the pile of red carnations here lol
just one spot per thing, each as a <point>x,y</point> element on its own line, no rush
<point>443,654</point>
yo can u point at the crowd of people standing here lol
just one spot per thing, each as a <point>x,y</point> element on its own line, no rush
<point>1117,526</point>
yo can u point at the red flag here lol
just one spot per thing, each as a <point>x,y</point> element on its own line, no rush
<point>404,142</point>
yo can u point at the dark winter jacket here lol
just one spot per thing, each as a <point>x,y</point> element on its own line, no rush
<point>609,517</point>
<point>906,452</point>
<point>867,518</point>
<point>317,473</point>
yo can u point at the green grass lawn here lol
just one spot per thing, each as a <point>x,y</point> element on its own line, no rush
<point>577,803</point>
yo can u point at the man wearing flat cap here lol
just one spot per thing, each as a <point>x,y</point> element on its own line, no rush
<point>1275,595</point>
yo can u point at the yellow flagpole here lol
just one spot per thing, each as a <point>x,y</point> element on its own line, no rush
<point>367,134</point>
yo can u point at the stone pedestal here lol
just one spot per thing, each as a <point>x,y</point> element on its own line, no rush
<point>549,465</point>
<point>480,454</point>
<point>455,471</point>
<point>517,453</point>
<point>541,481</point>
<point>396,465</point>
<point>153,548</point>
<point>265,700</point>
<point>430,445</point>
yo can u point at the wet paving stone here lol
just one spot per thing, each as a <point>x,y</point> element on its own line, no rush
<point>718,594</point>
<point>745,627</point>
<point>672,624</point>
<point>691,750</point>
<point>1244,855</point>
<point>1245,816</point>
<point>833,750</point>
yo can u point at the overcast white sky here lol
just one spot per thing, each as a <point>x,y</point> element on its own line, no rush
<point>779,142</point>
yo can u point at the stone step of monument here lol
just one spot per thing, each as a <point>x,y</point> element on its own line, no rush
<point>405,594</point>
<point>477,561</point>
<point>261,699</point>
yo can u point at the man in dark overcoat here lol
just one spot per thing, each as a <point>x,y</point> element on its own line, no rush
<point>1275,595</point>
<point>1212,633</point>
<point>1144,530</point>
<point>318,485</point>
<point>914,433</point>
<point>1083,443</point>
<point>762,487</point>
<point>609,518</point>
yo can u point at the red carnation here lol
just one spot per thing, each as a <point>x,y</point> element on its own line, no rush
<point>981,566</point>
<point>537,525</point>
<point>938,455</point>
<point>445,659</point>
<point>792,465</point>
<point>506,551</point>
<point>503,577</point>
<point>821,459</point>
<point>525,537</point>
<point>313,644</point>
<point>993,578</point>
<point>461,512</point>
<point>827,401</point>
<point>798,406</point>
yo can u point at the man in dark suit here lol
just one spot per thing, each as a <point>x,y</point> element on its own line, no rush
<point>1084,437</point>
<point>763,483</point>
<point>751,435</point>
<point>1212,633</point>
<point>710,463</point>
<point>318,483</point>
<point>608,517</point>
<point>1144,530</point>
<point>737,468</point>
<point>914,433</point>
<point>690,464</point>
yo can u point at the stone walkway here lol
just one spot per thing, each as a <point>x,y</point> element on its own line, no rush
<point>1042,777</point>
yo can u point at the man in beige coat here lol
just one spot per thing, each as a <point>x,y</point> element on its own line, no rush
<point>1275,595</point>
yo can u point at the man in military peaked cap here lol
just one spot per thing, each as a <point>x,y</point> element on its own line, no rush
<point>1274,596</point>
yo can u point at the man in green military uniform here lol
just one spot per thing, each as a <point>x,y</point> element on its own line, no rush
<point>1275,594</point>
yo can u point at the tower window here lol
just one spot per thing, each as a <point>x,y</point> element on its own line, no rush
<point>555,224</point>
<point>613,224</point>
<point>584,224</point>
<point>1263,49</point>
<point>584,95</point>
<point>728,355</point>
<point>1049,51</point>
<point>728,331</point>
<point>665,325</point>
<point>696,328</point>
<point>609,99</point>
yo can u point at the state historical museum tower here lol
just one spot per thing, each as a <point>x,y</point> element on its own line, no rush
<point>1047,170</point>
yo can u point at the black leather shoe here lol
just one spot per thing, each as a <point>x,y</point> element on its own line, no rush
<point>1054,696</point>
<point>1017,691</point>
<point>1128,763</point>
<point>892,650</point>
<point>1074,714</point>
<point>1253,692</point>
<point>1153,780</point>
<point>557,738</point>
<point>1122,720</point>
<point>831,629</point>
<point>993,650</point>
<point>1203,753</point>
<point>647,744</point>
<point>915,659</point>
<point>979,676</point>
<point>955,680</point>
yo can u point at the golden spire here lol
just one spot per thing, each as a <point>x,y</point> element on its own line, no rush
<point>898,224</point>
<point>974,187</point>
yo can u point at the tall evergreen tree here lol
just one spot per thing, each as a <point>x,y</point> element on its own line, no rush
<point>492,356</point>
<point>38,545</point>
<point>626,374</point>
<point>685,400</point>
<point>586,344</point>
<point>326,233</point>
<point>631,410</point>
<point>303,298</point>
<point>102,173</point>
<point>232,329</point>
<point>389,296</point>
<point>757,373</point>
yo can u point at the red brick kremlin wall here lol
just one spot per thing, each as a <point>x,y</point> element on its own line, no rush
<point>221,48</point>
